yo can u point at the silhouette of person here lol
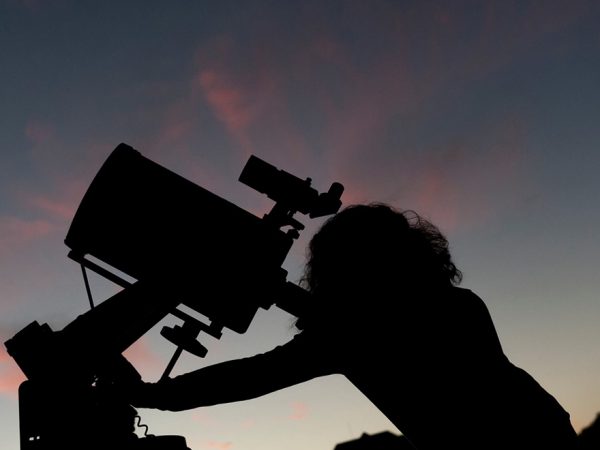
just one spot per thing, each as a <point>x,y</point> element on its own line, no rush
<point>386,312</point>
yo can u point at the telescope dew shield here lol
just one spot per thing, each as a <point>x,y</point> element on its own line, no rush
<point>151,223</point>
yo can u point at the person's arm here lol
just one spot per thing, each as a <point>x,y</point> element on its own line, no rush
<point>235,380</point>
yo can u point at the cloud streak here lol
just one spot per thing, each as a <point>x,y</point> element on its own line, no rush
<point>57,208</point>
<point>238,100</point>
<point>315,108</point>
<point>15,231</point>
<point>10,375</point>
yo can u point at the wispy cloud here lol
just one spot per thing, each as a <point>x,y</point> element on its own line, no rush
<point>15,231</point>
<point>237,99</point>
<point>315,108</point>
<point>227,102</point>
<point>58,208</point>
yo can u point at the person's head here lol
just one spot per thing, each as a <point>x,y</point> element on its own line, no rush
<point>374,249</point>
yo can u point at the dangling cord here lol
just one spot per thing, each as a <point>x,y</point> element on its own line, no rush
<point>142,425</point>
<point>87,286</point>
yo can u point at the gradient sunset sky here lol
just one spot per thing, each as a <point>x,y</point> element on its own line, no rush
<point>481,115</point>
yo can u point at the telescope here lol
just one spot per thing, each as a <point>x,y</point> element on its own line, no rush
<point>167,242</point>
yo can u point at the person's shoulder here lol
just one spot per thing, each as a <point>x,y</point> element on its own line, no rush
<point>298,346</point>
<point>464,294</point>
<point>476,312</point>
<point>466,300</point>
<point>306,340</point>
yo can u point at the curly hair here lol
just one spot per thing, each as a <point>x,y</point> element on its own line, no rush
<point>376,241</point>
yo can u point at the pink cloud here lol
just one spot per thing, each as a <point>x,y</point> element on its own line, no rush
<point>227,101</point>
<point>63,164</point>
<point>176,129</point>
<point>355,111</point>
<point>248,424</point>
<point>15,231</point>
<point>252,104</point>
<point>472,182</point>
<point>24,264</point>
<point>141,355</point>
<point>394,87</point>
<point>367,104</point>
<point>10,375</point>
<point>217,445</point>
<point>53,208</point>
<point>256,107</point>
<point>59,208</point>
<point>299,411</point>
<point>436,193</point>
<point>39,132</point>
<point>216,83</point>
<point>178,122</point>
<point>356,107</point>
<point>203,417</point>
<point>459,184</point>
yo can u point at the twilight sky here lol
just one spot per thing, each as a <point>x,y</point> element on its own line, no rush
<point>481,115</point>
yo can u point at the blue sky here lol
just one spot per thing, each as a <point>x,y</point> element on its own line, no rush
<point>480,115</point>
